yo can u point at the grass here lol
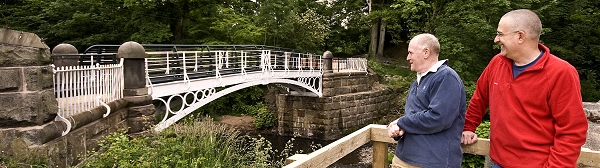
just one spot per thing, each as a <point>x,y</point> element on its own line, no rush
<point>390,68</point>
<point>199,143</point>
<point>195,144</point>
<point>393,74</point>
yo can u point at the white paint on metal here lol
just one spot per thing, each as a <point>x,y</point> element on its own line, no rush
<point>82,88</point>
<point>178,115</point>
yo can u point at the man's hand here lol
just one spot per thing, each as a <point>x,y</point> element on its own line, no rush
<point>468,137</point>
<point>393,130</point>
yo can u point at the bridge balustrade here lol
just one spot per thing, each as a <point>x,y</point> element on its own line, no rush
<point>349,64</point>
<point>82,88</point>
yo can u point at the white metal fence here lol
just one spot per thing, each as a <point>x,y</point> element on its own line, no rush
<point>349,64</point>
<point>82,88</point>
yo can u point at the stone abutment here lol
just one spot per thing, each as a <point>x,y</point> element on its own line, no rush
<point>28,124</point>
<point>349,103</point>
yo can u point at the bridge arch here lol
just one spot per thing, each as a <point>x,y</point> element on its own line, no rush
<point>210,95</point>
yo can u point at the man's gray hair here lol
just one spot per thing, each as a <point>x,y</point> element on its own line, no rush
<point>427,40</point>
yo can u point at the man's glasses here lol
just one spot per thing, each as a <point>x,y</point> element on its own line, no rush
<point>499,34</point>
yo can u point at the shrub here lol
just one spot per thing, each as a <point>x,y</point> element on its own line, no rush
<point>198,144</point>
<point>192,144</point>
<point>263,118</point>
<point>27,158</point>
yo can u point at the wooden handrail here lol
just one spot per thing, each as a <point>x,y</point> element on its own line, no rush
<point>378,134</point>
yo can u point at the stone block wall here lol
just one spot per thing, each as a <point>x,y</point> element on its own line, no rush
<point>130,115</point>
<point>349,103</point>
<point>26,92</point>
<point>28,125</point>
<point>29,91</point>
<point>345,83</point>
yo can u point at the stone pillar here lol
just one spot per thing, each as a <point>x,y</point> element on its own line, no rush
<point>327,61</point>
<point>65,55</point>
<point>327,72</point>
<point>140,107</point>
<point>26,91</point>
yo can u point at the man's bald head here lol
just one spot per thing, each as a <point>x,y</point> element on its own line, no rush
<point>427,41</point>
<point>525,20</point>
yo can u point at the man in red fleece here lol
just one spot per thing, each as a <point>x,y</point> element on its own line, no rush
<point>534,97</point>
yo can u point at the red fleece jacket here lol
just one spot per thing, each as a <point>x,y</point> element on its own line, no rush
<point>537,118</point>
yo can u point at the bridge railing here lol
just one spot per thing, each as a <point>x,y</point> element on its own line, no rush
<point>98,59</point>
<point>167,66</point>
<point>378,135</point>
<point>205,62</point>
<point>349,64</point>
<point>81,88</point>
<point>173,62</point>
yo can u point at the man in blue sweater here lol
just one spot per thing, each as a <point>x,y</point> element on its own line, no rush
<point>430,131</point>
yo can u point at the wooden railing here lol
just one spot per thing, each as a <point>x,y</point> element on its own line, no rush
<point>378,134</point>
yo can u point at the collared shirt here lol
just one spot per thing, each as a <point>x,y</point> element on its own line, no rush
<point>434,68</point>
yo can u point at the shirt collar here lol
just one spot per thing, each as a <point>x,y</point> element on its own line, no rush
<point>434,68</point>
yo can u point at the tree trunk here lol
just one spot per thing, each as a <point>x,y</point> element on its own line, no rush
<point>374,37</point>
<point>381,38</point>
<point>180,12</point>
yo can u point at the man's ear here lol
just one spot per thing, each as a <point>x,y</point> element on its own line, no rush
<point>426,52</point>
<point>522,36</point>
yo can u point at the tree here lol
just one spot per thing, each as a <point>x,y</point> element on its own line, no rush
<point>276,17</point>
<point>236,28</point>
<point>349,27</point>
<point>310,31</point>
<point>571,32</point>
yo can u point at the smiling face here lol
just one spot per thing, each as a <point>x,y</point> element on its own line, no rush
<point>416,57</point>
<point>507,37</point>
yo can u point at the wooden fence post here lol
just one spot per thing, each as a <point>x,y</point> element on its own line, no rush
<point>379,154</point>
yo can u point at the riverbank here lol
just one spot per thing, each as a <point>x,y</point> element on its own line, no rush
<point>360,158</point>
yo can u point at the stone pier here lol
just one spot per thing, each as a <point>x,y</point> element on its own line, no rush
<point>349,102</point>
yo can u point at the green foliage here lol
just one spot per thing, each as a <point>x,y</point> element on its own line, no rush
<point>473,161</point>
<point>389,68</point>
<point>390,157</point>
<point>262,150</point>
<point>394,74</point>
<point>483,130</point>
<point>201,143</point>
<point>235,103</point>
<point>26,158</point>
<point>349,27</point>
<point>574,36</point>
<point>263,118</point>
<point>469,89</point>
<point>197,144</point>
<point>310,30</point>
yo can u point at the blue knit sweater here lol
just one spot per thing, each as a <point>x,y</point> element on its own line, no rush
<point>433,121</point>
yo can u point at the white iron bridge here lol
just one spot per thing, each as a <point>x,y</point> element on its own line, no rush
<point>194,75</point>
